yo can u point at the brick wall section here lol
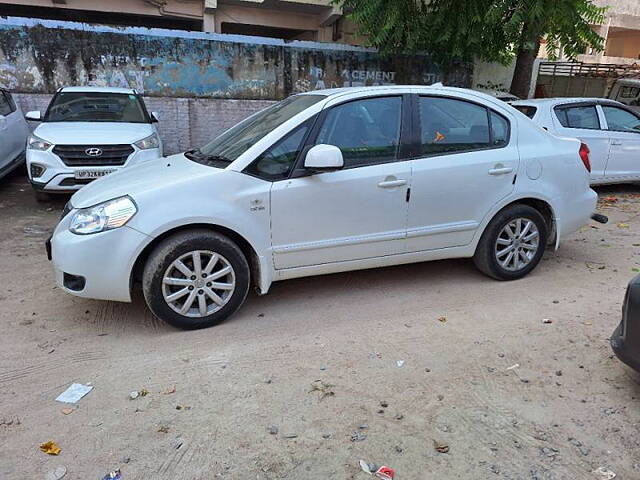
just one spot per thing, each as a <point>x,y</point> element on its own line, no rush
<point>184,122</point>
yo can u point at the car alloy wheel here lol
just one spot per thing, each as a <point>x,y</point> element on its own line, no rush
<point>517,244</point>
<point>198,283</point>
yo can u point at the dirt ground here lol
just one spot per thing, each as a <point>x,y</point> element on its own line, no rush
<point>316,360</point>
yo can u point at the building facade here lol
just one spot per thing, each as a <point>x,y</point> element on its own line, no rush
<point>313,20</point>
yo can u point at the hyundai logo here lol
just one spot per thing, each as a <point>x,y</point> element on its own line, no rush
<point>93,152</point>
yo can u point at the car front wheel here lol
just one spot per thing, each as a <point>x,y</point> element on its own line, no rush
<point>512,244</point>
<point>195,279</point>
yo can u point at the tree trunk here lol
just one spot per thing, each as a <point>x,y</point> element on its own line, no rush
<point>527,53</point>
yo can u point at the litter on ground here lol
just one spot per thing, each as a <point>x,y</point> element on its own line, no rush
<point>74,393</point>
<point>50,448</point>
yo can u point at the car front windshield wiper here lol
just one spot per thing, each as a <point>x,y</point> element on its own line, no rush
<point>197,155</point>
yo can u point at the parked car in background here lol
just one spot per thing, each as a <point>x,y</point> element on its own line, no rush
<point>499,94</point>
<point>625,340</point>
<point>627,91</point>
<point>86,133</point>
<point>13,134</point>
<point>610,129</point>
<point>325,182</point>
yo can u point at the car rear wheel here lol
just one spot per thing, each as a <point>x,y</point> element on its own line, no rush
<point>195,279</point>
<point>512,244</point>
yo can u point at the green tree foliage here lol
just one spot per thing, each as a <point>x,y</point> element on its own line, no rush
<point>489,30</point>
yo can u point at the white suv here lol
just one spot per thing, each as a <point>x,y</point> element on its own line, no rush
<point>86,133</point>
<point>325,182</point>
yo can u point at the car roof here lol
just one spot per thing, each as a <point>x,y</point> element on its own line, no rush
<point>552,102</point>
<point>333,92</point>
<point>99,90</point>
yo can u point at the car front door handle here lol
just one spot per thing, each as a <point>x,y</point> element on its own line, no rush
<point>500,169</point>
<point>392,183</point>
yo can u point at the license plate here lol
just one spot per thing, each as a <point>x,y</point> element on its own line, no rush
<point>84,174</point>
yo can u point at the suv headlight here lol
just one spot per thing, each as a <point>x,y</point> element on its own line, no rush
<point>152,141</point>
<point>102,217</point>
<point>37,143</point>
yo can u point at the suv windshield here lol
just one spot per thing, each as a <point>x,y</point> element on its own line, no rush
<point>96,107</point>
<point>237,140</point>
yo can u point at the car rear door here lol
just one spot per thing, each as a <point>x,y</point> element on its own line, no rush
<point>582,121</point>
<point>359,211</point>
<point>467,161</point>
<point>623,128</point>
<point>7,143</point>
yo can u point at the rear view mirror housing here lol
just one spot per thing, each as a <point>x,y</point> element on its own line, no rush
<point>323,158</point>
<point>34,115</point>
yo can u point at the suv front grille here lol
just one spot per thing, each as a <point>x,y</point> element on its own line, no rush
<point>76,155</point>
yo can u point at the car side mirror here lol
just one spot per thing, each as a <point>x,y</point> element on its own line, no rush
<point>321,158</point>
<point>33,115</point>
<point>155,118</point>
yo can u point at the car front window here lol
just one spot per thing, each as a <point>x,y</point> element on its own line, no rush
<point>96,107</point>
<point>234,142</point>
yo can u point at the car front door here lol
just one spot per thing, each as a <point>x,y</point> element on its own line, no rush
<point>581,120</point>
<point>623,128</point>
<point>357,212</point>
<point>467,162</point>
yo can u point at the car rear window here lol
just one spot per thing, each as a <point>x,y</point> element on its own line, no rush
<point>528,110</point>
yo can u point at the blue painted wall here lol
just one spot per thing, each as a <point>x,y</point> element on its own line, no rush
<point>41,56</point>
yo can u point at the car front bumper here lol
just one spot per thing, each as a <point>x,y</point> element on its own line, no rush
<point>60,178</point>
<point>625,340</point>
<point>98,265</point>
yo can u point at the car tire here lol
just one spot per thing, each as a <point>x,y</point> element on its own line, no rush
<point>165,279</point>
<point>506,251</point>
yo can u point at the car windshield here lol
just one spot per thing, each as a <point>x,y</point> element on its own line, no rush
<point>237,140</point>
<point>96,107</point>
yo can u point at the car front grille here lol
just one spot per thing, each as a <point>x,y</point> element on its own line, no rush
<point>76,155</point>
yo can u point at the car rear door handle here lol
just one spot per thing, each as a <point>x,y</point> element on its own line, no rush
<point>392,183</point>
<point>500,170</point>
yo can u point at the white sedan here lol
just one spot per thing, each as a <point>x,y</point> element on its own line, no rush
<point>610,129</point>
<point>325,182</point>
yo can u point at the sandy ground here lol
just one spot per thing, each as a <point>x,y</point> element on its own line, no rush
<point>569,408</point>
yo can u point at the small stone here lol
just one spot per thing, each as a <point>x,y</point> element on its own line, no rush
<point>323,368</point>
<point>427,370</point>
<point>398,449</point>
<point>399,416</point>
<point>291,435</point>
<point>440,397</point>
<point>326,436</point>
<point>501,355</point>
<point>384,404</point>
<point>134,395</point>
<point>273,430</point>
<point>163,429</point>
<point>358,436</point>
<point>556,301</point>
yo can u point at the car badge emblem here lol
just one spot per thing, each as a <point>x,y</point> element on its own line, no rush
<point>93,152</point>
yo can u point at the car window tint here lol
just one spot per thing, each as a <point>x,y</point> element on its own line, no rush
<point>449,125</point>
<point>5,106</point>
<point>276,162</point>
<point>621,120</point>
<point>499,130</point>
<point>366,131</point>
<point>528,110</point>
<point>578,117</point>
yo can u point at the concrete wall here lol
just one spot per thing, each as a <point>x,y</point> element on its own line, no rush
<point>41,56</point>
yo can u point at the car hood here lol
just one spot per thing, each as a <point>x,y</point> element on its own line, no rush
<point>92,133</point>
<point>164,173</point>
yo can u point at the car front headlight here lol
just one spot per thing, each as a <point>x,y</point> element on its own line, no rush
<point>37,143</point>
<point>152,141</point>
<point>102,217</point>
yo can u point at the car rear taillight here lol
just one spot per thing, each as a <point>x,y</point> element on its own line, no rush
<point>584,155</point>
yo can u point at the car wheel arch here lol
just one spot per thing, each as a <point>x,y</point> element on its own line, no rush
<point>245,246</point>
<point>542,206</point>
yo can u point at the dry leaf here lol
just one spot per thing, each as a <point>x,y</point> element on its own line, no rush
<point>67,411</point>
<point>50,448</point>
<point>442,319</point>
<point>169,391</point>
<point>623,225</point>
<point>441,447</point>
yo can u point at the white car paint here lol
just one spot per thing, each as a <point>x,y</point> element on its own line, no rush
<point>60,177</point>
<point>615,155</point>
<point>13,133</point>
<point>333,221</point>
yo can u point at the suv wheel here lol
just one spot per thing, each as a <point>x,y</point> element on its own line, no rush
<point>512,244</point>
<point>195,279</point>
